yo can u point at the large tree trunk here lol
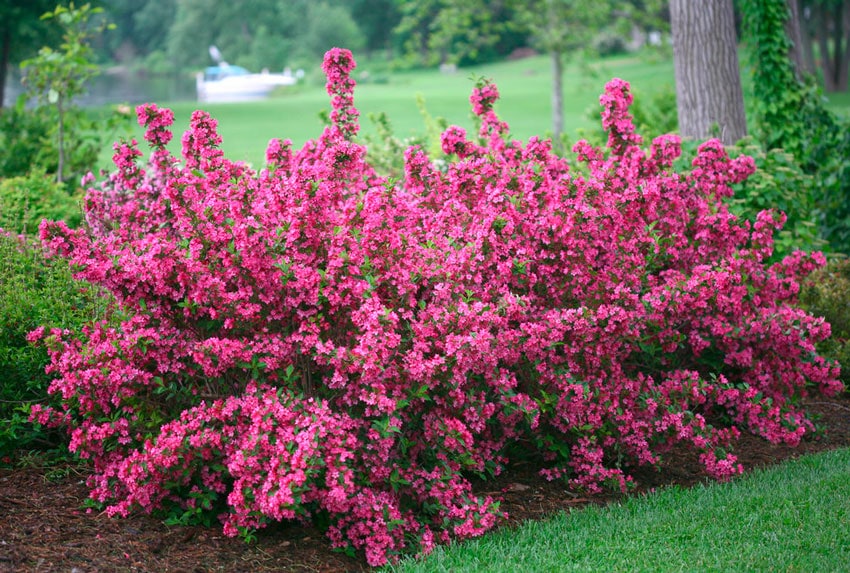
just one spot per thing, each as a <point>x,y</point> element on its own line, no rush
<point>708,81</point>
<point>557,96</point>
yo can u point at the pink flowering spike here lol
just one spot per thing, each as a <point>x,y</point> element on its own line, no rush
<point>157,123</point>
<point>279,155</point>
<point>665,150</point>
<point>454,142</point>
<point>126,158</point>
<point>201,142</point>
<point>616,119</point>
<point>337,65</point>
<point>483,98</point>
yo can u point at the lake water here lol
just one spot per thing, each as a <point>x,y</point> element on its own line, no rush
<point>122,88</point>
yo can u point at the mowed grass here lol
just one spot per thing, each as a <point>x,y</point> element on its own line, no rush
<point>525,87</point>
<point>525,104</point>
<point>793,517</point>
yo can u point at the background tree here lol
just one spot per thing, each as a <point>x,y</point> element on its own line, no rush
<point>328,26</point>
<point>800,48</point>
<point>830,20</point>
<point>376,19</point>
<point>265,33</point>
<point>708,81</point>
<point>231,26</point>
<point>141,28</point>
<point>819,31</point>
<point>56,77</point>
<point>22,31</point>
<point>560,27</point>
<point>461,32</point>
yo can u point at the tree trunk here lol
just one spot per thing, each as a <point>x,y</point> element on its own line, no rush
<point>708,81</point>
<point>833,36</point>
<point>557,96</point>
<point>61,144</point>
<point>844,64</point>
<point>837,36</point>
<point>805,27</point>
<point>5,49</point>
<point>826,63</point>
<point>803,65</point>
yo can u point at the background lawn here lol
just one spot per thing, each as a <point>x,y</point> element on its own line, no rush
<point>525,103</point>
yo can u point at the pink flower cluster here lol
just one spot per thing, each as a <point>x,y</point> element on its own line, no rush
<point>314,342</point>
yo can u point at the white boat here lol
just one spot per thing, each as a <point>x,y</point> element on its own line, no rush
<point>226,83</point>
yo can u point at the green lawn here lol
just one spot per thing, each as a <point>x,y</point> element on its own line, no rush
<point>525,103</point>
<point>525,87</point>
<point>794,517</point>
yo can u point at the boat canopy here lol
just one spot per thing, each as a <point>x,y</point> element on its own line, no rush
<point>215,73</point>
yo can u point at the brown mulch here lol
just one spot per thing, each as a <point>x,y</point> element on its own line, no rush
<point>44,529</point>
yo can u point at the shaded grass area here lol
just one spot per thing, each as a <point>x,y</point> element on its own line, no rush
<point>793,517</point>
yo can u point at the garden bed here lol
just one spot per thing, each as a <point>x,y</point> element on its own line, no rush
<point>43,528</point>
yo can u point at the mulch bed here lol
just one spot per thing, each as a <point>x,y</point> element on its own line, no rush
<point>42,527</point>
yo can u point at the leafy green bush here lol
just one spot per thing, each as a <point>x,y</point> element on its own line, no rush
<point>24,139</point>
<point>34,291</point>
<point>779,183</point>
<point>26,200</point>
<point>789,113</point>
<point>827,293</point>
<point>386,149</point>
<point>28,139</point>
<point>656,115</point>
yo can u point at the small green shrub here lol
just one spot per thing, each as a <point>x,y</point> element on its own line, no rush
<point>24,139</point>
<point>28,199</point>
<point>386,149</point>
<point>827,293</point>
<point>34,291</point>
<point>779,183</point>
<point>657,114</point>
<point>27,139</point>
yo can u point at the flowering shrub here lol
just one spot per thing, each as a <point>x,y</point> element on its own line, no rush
<point>313,342</point>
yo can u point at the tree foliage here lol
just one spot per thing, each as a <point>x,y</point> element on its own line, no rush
<point>22,33</point>
<point>56,76</point>
<point>256,34</point>
<point>458,32</point>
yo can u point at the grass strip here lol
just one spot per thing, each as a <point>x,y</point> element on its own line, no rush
<point>791,517</point>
